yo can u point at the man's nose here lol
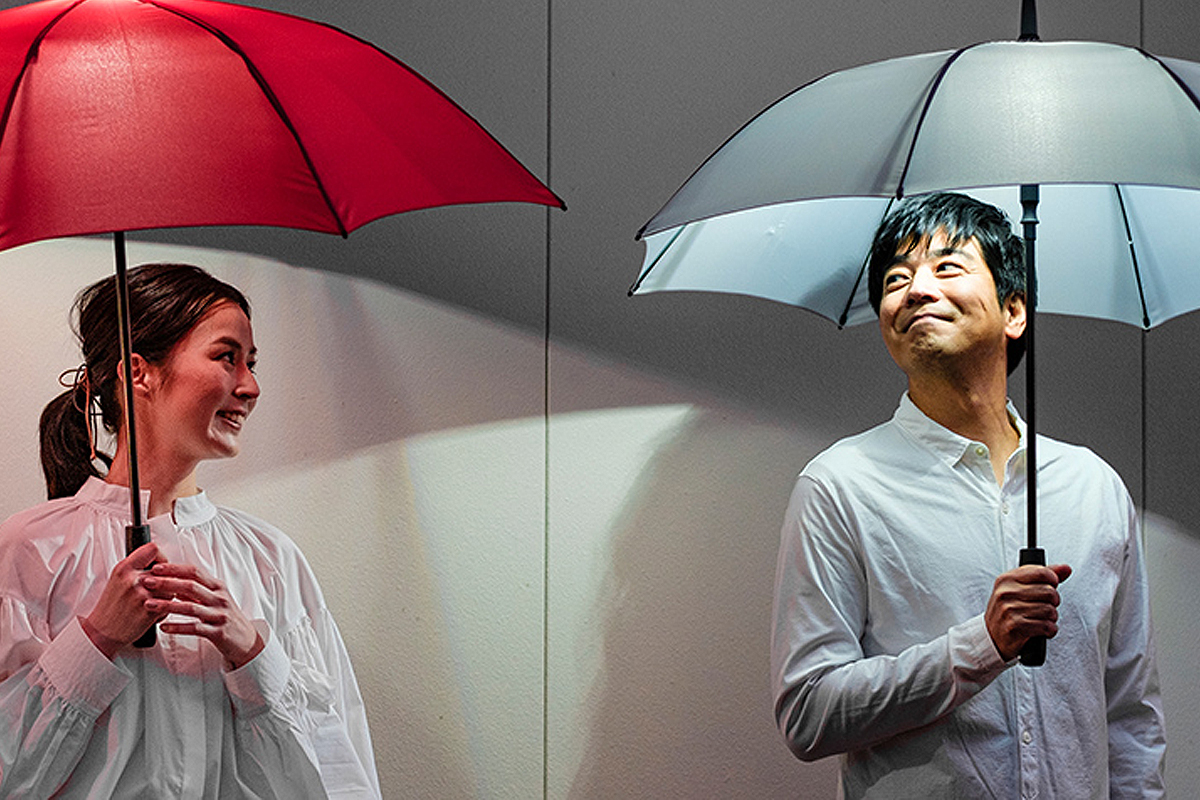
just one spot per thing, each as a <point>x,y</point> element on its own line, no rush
<point>922,287</point>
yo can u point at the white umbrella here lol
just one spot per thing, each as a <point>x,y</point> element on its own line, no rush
<point>1100,140</point>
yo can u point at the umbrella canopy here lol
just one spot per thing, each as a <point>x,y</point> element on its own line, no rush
<point>1110,133</point>
<point>1128,253</point>
<point>1094,147</point>
<point>131,114</point>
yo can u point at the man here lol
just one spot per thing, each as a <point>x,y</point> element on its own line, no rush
<point>899,614</point>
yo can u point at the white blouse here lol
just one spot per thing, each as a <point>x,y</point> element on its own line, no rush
<point>170,721</point>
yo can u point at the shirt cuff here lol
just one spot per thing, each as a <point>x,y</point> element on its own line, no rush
<point>974,653</point>
<point>80,672</point>
<point>262,680</point>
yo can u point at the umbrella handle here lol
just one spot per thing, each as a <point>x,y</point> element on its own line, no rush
<point>1033,654</point>
<point>135,537</point>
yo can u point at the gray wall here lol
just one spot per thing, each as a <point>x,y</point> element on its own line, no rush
<point>636,650</point>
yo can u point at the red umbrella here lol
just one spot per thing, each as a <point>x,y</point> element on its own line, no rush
<point>133,114</point>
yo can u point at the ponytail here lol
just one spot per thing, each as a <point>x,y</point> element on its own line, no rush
<point>67,449</point>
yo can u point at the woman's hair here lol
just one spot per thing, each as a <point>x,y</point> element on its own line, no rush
<point>165,302</point>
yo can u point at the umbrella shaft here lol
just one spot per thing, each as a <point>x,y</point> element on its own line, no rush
<point>1029,221</point>
<point>125,328</point>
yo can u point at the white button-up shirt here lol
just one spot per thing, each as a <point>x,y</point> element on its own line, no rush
<point>170,721</point>
<point>891,545</point>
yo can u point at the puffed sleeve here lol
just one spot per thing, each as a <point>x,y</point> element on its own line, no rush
<point>298,701</point>
<point>51,694</point>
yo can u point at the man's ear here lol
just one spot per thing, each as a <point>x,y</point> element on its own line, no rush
<point>1014,313</point>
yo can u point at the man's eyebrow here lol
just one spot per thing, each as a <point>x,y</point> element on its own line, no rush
<point>941,252</point>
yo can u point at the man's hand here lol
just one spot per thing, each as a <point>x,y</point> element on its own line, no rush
<point>1024,604</point>
<point>121,615</point>
<point>191,592</point>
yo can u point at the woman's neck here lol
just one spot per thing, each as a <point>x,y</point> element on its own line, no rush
<point>166,481</point>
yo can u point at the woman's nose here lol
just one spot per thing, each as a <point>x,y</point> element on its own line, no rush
<point>248,385</point>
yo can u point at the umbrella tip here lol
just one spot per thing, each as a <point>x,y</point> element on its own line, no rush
<point>1029,31</point>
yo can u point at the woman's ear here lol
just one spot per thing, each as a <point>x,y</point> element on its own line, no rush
<point>146,377</point>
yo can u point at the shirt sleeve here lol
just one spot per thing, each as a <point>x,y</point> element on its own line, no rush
<point>51,695</point>
<point>829,696</point>
<point>300,719</point>
<point>1136,736</point>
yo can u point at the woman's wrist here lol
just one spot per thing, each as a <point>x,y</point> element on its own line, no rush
<point>109,647</point>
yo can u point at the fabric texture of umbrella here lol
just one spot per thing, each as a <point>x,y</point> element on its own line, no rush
<point>130,114</point>
<point>787,207</point>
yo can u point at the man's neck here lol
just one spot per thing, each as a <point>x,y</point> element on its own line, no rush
<point>976,409</point>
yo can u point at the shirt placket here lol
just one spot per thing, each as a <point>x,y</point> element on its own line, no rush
<point>177,739</point>
<point>1027,741</point>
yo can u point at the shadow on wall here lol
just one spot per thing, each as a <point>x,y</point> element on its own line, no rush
<point>681,707</point>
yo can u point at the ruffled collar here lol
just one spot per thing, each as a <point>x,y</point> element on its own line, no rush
<point>188,511</point>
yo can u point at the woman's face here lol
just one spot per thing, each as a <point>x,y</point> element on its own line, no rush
<point>201,395</point>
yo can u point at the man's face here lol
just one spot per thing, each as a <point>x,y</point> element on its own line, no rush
<point>939,305</point>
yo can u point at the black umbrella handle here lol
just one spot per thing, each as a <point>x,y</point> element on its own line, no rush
<point>1033,654</point>
<point>135,537</point>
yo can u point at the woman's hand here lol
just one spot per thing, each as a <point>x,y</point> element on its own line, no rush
<point>189,591</point>
<point>121,614</point>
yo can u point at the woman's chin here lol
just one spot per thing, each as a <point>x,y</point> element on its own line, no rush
<point>222,447</point>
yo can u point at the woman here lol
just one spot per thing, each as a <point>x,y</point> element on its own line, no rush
<point>248,691</point>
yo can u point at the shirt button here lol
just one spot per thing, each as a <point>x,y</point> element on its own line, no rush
<point>1026,737</point>
<point>981,451</point>
<point>1004,508</point>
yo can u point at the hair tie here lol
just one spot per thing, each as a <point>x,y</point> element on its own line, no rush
<point>73,379</point>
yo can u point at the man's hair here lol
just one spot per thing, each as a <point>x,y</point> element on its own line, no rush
<point>914,220</point>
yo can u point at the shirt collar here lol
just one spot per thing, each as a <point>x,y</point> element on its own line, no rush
<point>945,443</point>
<point>188,511</point>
